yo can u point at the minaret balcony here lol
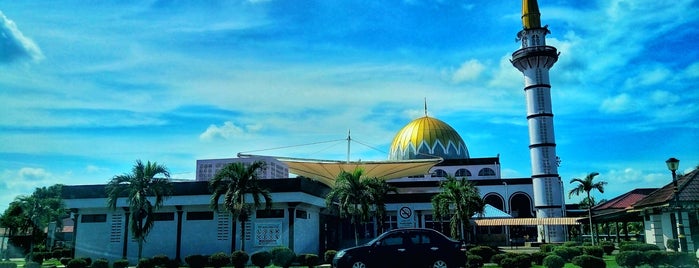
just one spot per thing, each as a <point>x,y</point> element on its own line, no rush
<point>547,56</point>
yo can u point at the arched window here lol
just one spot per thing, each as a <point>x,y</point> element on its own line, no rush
<point>486,172</point>
<point>463,173</point>
<point>521,205</point>
<point>495,200</point>
<point>438,173</point>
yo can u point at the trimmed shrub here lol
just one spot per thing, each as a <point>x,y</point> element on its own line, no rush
<point>554,261</point>
<point>37,257</point>
<point>7,264</point>
<point>596,251</point>
<point>219,259</point>
<point>77,263</point>
<point>571,244</point>
<point>329,255</point>
<point>630,258</point>
<point>100,263</point>
<point>523,260</point>
<point>538,257</point>
<point>672,244</point>
<point>474,261</point>
<point>145,263</point>
<point>563,253</point>
<point>638,247</point>
<point>589,261</point>
<point>65,261</point>
<point>87,260</point>
<point>261,258</point>
<point>497,258</point>
<point>123,263</point>
<point>196,261</point>
<point>239,258</point>
<point>309,260</point>
<point>485,252</point>
<point>608,247</point>
<point>508,263</point>
<point>161,260</point>
<point>282,256</point>
<point>32,264</point>
<point>681,259</point>
<point>547,247</point>
<point>655,258</point>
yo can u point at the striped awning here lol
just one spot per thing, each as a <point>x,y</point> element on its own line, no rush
<point>527,221</point>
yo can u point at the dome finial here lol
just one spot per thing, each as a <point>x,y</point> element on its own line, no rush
<point>530,14</point>
<point>425,106</point>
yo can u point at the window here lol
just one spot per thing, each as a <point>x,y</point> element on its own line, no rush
<point>438,173</point>
<point>164,216</point>
<point>200,215</point>
<point>89,218</point>
<point>486,172</point>
<point>268,214</point>
<point>301,214</point>
<point>463,173</point>
<point>392,240</point>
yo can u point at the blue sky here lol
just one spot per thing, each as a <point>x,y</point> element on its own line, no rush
<point>88,87</point>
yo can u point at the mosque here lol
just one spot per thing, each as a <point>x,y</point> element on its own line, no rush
<point>422,154</point>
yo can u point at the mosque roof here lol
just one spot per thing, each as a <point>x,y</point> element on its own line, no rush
<point>426,138</point>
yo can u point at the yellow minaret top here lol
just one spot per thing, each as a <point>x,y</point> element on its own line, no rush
<point>530,14</point>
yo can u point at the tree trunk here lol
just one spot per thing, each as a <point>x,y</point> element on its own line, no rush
<point>589,216</point>
<point>140,237</point>
<point>242,235</point>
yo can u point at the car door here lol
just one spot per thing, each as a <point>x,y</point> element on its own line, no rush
<point>391,251</point>
<point>421,252</point>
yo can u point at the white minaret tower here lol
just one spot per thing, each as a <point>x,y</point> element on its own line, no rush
<point>534,59</point>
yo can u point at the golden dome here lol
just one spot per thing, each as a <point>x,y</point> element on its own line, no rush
<point>427,137</point>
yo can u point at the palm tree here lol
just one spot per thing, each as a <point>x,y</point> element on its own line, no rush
<point>353,196</point>
<point>379,189</point>
<point>461,197</point>
<point>35,212</point>
<point>586,185</point>
<point>233,182</point>
<point>138,186</point>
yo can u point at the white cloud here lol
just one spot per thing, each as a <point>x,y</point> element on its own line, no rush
<point>617,104</point>
<point>14,45</point>
<point>468,71</point>
<point>33,174</point>
<point>227,131</point>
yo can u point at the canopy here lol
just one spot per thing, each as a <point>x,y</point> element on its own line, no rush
<point>528,221</point>
<point>326,171</point>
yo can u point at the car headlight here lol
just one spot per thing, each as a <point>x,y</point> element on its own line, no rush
<point>340,254</point>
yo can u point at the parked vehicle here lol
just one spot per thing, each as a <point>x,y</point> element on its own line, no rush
<point>412,247</point>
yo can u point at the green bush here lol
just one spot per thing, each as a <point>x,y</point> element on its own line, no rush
<point>100,263</point>
<point>282,256</point>
<point>57,253</point>
<point>474,261</point>
<point>655,258</point>
<point>37,257</point>
<point>589,261</point>
<point>7,264</point>
<point>123,263</point>
<point>547,247</point>
<point>509,263</point>
<point>77,263</point>
<point>329,255</point>
<point>261,258</point>
<point>239,258</point>
<point>608,247</point>
<point>161,260</point>
<point>524,260</point>
<point>563,253</point>
<point>571,244</point>
<point>538,257</point>
<point>485,252</point>
<point>497,258</point>
<point>196,261</point>
<point>554,261</point>
<point>672,244</point>
<point>596,251</point>
<point>145,263</point>
<point>64,261</point>
<point>630,258</point>
<point>681,259</point>
<point>88,260</point>
<point>219,259</point>
<point>309,260</point>
<point>638,247</point>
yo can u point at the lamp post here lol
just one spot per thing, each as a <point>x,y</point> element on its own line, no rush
<point>672,165</point>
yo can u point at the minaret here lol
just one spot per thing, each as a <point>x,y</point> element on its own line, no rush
<point>534,59</point>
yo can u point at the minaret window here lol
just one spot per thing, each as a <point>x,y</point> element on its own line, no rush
<point>463,173</point>
<point>524,41</point>
<point>438,173</point>
<point>535,40</point>
<point>486,172</point>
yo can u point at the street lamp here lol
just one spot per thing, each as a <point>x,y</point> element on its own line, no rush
<point>672,165</point>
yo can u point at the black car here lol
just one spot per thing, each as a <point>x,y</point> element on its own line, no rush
<point>413,247</point>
